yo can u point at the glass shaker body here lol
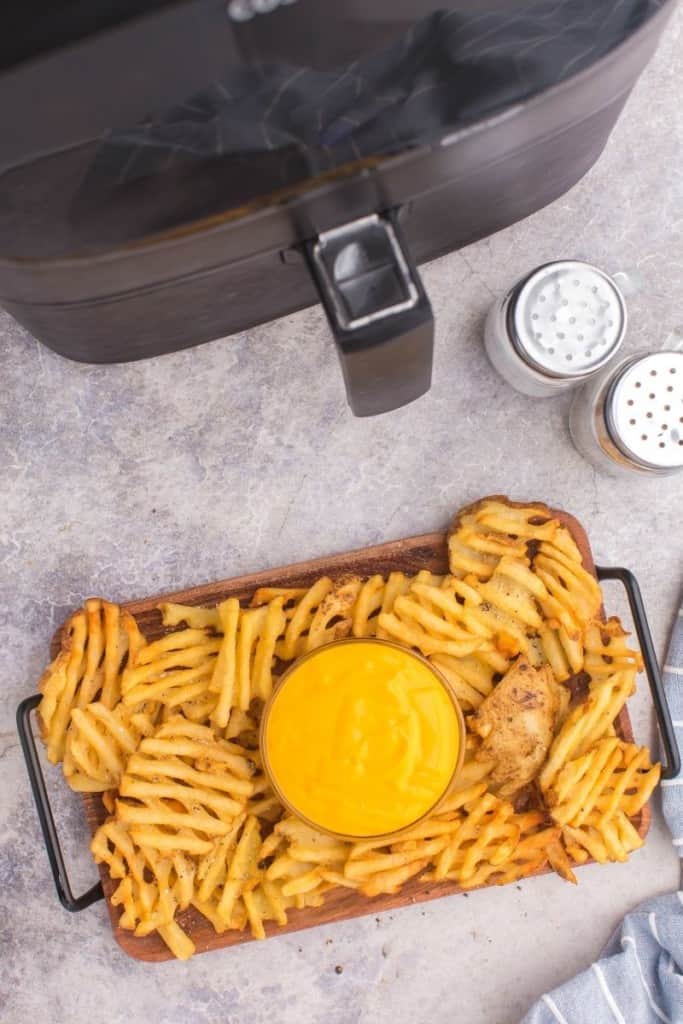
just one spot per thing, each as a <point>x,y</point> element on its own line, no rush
<point>629,418</point>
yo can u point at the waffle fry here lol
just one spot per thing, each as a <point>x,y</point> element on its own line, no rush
<point>99,742</point>
<point>98,639</point>
<point>607,650</point>
<point>172,670</point>
<point>575,595</point>
<point>367,607</point>
<point>611,776</point>
<point>192,616</point>
<point>397,583</point>
<point>244,667</point>
<point>484,833</point>
<point>415,626</point>
<point>242,870</point>
<point>492,528</point>
<point>588,722</point>
<point>294,640</point>
<point>212,867</point>
<point>333,619</point>
<point>559,860</point>
<point>225,670</point>
<point>556,651</point>
<point>182,789</point>
<point>150,890</point>
<point>290,597</point>
<point>470,679</point>
<point>604,840</point>
<point>509,519</point>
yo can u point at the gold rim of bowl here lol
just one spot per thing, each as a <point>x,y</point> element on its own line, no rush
<point>289,806</point>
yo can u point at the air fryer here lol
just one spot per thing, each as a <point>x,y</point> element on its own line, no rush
<point>174,176</point>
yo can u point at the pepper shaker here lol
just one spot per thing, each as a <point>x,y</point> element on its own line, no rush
<point>630,417</point>
<point>556,327</point>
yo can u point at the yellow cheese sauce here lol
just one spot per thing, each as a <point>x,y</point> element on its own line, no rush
<point>361,738</point>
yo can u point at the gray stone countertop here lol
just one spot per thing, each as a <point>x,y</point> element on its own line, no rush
<point>242,454</point>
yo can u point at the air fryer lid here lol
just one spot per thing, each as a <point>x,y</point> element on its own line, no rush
<point>432,76</point>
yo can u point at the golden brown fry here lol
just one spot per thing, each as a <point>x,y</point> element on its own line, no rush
<point>243,868</point>
<point>97,640</point>
<point>607,651</point>
<point>333,619</point>
<point>212,868</point>
<point>273,626</point>
<point>192,616</point>
<point>588,722</point>
<point>180,944</point>
<point>99,742</point>
<point>225,670</point>
<point>290,597</point>
<point>560,861</point>
<point>294,642</point>
<point>606,840</point>
<point>412,635</point>
<point>612,776</point>
<point>368,606</point>
<point>391,880</point>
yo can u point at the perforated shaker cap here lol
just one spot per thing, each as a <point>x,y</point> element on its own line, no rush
<point>644,410</point>
<point>568,319</point>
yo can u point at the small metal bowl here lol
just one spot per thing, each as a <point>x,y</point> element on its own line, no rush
<point>387,836</point>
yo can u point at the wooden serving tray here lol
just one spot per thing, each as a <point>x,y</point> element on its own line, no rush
<point>425,552</point>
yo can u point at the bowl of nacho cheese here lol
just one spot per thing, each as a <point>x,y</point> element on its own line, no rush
<point>362,739</point>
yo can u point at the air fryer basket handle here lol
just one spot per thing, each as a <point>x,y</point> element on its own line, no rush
<point>672,764</point>
<point>378,312</point>
<point>47,822</point>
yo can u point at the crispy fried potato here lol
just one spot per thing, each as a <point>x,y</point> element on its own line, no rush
<point>611,776</point>
<point>367,607</point>
<point>224,674</point>
<point>604,840</point>
<point>192,616</point>
<point>588,722</point>
<point>483,533</point>
<point>98,639</point>
<point>607,650</point>
<point>333,619</point>
<point>182,789</point>
<point>99,742</point>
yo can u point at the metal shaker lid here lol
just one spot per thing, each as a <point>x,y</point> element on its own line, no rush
<point>644,410</point>
<point>567,319</point>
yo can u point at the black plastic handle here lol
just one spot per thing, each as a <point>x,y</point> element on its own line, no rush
<point>654,677</point>
<point>377,309</point>
<point>47,822</point>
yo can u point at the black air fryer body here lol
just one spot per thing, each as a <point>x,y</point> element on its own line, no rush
<point>174,177</point>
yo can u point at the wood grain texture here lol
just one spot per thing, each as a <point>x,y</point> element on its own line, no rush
<point>424,552</point>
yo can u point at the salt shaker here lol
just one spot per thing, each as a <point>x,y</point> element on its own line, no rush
<point>630,417</point>
<point>556,328</point>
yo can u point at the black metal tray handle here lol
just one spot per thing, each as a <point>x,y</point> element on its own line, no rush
<point>670,769</point>
<point>47,822</point>
<point>672,757</point>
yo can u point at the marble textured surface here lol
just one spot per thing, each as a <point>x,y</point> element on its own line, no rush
<point>125,480</point>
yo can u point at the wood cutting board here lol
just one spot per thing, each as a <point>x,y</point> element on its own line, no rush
<point>409,556</point>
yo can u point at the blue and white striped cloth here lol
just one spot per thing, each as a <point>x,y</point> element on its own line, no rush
<point>639,978</point>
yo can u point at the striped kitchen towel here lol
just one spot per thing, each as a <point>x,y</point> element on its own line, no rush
<point>639,978</point>
<point>672,789</point>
